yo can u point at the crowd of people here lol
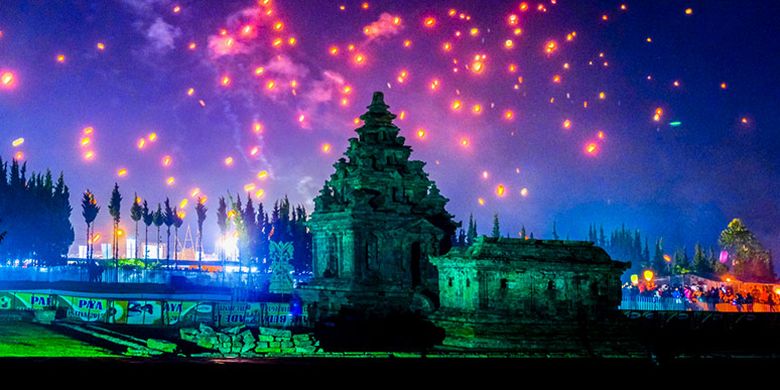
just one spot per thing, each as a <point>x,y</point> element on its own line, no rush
<point>700,297</point>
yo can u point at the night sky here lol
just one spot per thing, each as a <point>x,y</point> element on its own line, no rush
<point>539,112</point>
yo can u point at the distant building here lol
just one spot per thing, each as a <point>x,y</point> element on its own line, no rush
<point>375,222</point>
<point>516,294</point>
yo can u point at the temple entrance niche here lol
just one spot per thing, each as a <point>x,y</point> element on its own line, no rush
<point>415,263</point>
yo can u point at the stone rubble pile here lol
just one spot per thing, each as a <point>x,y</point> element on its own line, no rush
<point>240,341</point>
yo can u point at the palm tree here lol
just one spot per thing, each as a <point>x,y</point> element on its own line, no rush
<point>168,220</point>
<point>89,210</point>
<point>148,220</point>
<point>136,213</point>
<point>114,207</point>
<point>200,209</point>
<point>178,220</point>
<point>158,221</point>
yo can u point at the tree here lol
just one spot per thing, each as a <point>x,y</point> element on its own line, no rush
<point>555,232</point>
<point>178,220</point>
<point>496,229</point>
<point>659,264</point>
<point>749,259</point>
<point>682,265</point>
<point>168,219</point>
<point>222,222</point>
<point>471,234</point>
<point>158,221</point>
<point>114,208</point>
<point>522,233</point>
<point>148,221</point>
<point>89,210</point>
<point>700,264</point>
<point>136,214</point>
<point>200,210</point>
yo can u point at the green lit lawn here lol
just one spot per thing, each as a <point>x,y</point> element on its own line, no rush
<point>21,339</point>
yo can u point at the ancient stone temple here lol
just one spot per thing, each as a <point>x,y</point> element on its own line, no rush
<point>535,296</point>
<point>375,222</point>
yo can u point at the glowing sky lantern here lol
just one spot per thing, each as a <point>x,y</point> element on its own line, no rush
<point>259,193</point>
<point>19,156</point>
<point>508,115</point>
<point>101,46</point>
<point>434,85</point>
<point>85,141</point>
<point>667,258</point>
<point>723,85</point>
<point>333,50</point>
<point>257,127</point>
<point>254,151</point>
<point>421,133</point>
<point>407,43</point>
<point>259,71</point>
<point>326,147</point>
<point>689,11</point>
<point>88,130</point>
<point>591,148</point>
<point>474,31</point>
<point>359,58</point>
<point>634,279</point>
<point>89,155</point>
<point>464,142</point>
<point>485,175</point>
<point>7,79</point>
<point>184,202</point>
<point>122,172</point>
<point>194,192</point>
<point>500,190</point>
<point>170,181</point>
<point>190,91</point>
<point>456,105</point>
<point>481,201</point>
<point>17,142</point>
<point>566,124</point>
<point>61,58</point>
<point>477,66</point>
<point>508,44</point>
<point>524,192</point>
<point>600,134</point>
<point>602,95</point>
<point>429,22</point>
<point>476,109</point>
<point>166,161</point>
<point>550,47</point>
<point>140,144</point>
<point>225,81</point>
<point>262,175</point>
<point>724,257</point>
<point>176,9</point>
<point>556,79</point>
<point>659,112</point>
<point>152,137</point>
<point>648,274</point>
<point>512,20</point>
<point>249,187</point>
<point>192,46</point>
<point>228,161</point>
<point>446,46</point>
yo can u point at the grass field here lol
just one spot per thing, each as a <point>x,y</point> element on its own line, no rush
<point>23,339</point>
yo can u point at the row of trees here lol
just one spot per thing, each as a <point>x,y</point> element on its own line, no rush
<point>256,229</point>
<point>139,212</point>
<point>34,215</point>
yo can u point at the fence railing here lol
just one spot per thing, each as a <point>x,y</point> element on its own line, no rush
<point>75,273</point>
<point>683,304</point>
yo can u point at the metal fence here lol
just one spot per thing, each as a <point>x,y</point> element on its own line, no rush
<point>682,304</point>
<point>76,273</point>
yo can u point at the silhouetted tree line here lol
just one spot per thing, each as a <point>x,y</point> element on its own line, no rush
<point>35,214</point>
<point>284,223</point>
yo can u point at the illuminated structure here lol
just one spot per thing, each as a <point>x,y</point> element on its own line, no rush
<point>375,222</point>
<point>529,295</point>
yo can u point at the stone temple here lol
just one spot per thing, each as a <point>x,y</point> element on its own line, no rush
<point>375,223</point>
<point>543,296</point>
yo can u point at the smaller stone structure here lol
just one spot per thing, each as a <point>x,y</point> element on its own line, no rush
<point>540,296</point>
